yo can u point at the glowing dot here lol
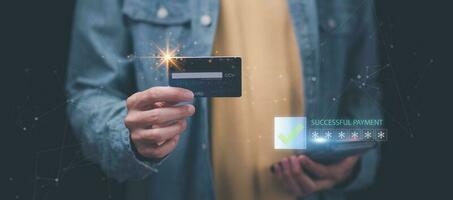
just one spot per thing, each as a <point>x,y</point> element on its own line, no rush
<point>36,118</point>
<point>418,115</point>
<point>363,84</point>
<point>392,46</point>
<point>56,180</point>
<point>359,77</point>
<point>334,99</point>
<point>24,128</point>
<point>10,178</point>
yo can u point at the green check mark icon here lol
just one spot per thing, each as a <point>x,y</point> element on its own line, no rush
<point>286,139</point>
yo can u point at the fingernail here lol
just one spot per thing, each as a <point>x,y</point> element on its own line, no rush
<point>188,94</point>
<point>191,109</point>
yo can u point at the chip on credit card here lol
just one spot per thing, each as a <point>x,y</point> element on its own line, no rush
<point>207,76</point>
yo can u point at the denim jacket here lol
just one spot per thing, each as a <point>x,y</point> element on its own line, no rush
<point>336,40</point>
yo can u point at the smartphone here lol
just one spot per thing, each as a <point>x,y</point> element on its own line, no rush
<point>332,152</point>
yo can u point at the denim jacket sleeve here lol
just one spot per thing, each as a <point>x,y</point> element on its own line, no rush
<point>99,80</point>
<point>365,102</point>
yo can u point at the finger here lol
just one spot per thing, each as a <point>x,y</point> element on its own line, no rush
<point>278,171</point>
<point>163,150</point>
<point>318,169</point>
<point>278,167</point>
<point>159,135</point>
<point>324,184</point>
<point>163,104</point>
<point>167,115</point>
<point>295,165</point>
<point>289,178</point>
<point>145,99</point>
<point>343,169</point>
<point>164,124</point>
<point>348,162</point>
<point>305,183</point>
<point>159,116</point>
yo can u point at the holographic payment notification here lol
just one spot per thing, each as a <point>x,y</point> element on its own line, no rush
<point>290,133</point>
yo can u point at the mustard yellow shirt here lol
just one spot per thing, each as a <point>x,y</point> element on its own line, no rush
<point>262,33</point>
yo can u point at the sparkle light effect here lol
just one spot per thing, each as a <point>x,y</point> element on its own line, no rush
<point>167,56</point>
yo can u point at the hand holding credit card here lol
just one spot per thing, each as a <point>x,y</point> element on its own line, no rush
<point>207,76</point>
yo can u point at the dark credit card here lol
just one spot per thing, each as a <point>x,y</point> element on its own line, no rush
<point>207,76</point>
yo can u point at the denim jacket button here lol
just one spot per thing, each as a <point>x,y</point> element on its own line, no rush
<point>205,20</point>
<point>331,23</point>
<point>162,12</point>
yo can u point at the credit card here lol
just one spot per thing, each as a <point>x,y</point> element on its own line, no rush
<point>207,76</point>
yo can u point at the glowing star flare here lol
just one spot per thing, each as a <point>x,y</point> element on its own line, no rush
<point>167,56</point>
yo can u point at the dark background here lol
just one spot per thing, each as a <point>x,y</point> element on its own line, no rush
<point>38,147</point>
